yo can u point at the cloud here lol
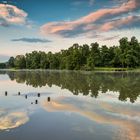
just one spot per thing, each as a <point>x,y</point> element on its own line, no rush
<point>119,23</point>
<point>91,2</point>
<point>96,22</point>
<point>77,3</point>
<point>11,15</point>
<point>81,2</point>
<point>31,40</point>
<point>110,38</point>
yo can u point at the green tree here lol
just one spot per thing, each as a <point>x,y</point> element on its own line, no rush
<point>116,60</point>
<point>20,62</point>
<point>105,56</point>
<point>95,54</point>
<point>90,63</point>
<point>11,62</point>
<point>44,62</point>
<point>2,65</point>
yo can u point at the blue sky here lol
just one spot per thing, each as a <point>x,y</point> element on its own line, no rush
<point>52,25</point>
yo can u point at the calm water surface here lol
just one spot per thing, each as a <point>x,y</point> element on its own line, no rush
<point>69,105</point>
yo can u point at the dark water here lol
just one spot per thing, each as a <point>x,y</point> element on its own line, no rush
<point>69,105</point>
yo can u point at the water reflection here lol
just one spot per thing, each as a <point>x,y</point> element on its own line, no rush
<point>6,93</point>
<point>126,84</point>
<point>36,105</point>
<point>119,115</point>
<point>12,120</point>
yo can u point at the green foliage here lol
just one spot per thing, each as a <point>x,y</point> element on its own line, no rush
<point>11,62</point>
<point>2,65</point>
<point>95,54</point>
<point>20,62</point>
<point>126,55</point>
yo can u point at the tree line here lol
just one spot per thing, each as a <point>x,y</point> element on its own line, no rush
<point>82,57</point>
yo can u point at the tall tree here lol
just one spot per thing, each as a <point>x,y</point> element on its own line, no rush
<point>20,62</point>
<point>11,62</point>
<point>95,54</point>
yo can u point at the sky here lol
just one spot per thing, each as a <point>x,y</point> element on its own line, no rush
<point>52,25</point>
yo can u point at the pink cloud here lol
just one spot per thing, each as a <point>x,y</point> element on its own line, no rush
<point>10,14</point>
<point>125,7</point>
<point>86,23</point>
<point>118,23</point>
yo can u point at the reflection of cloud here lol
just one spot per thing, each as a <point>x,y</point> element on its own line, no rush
<point>129,124</point>
<point>55,106</point>
<point>13,120</point>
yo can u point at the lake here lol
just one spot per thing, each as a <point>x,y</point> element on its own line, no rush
<point>66,105</point>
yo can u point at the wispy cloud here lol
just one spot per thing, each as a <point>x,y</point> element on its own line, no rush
<point>97,22</point>
<point>110,38</point>
<point>123,22</point>
<point>12,15</point>
<point>32,40</point>
<point>81,2</point>
<point>91,2</point>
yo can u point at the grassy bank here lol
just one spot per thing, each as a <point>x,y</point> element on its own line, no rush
<point>113,69</point>
<point>96,69</point>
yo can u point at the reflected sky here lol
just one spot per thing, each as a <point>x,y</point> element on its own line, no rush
<point>67,105</point>
<point>125,118</point>
<point>12,120</point>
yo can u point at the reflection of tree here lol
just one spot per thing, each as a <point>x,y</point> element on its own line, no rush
<point>2,72</point>
<point>127,84</point>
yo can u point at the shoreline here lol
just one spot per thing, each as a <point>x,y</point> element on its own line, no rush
<point>105,70</point>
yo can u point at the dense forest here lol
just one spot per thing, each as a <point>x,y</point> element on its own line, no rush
<point>82,57</point>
